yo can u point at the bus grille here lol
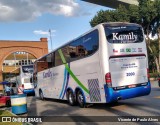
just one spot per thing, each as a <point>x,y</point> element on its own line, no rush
<point>94,90</point>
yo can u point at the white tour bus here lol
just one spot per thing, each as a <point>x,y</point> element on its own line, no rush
<point>23,74</point>
<point>106,64</point>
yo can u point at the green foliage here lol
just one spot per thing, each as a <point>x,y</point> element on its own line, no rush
<point>7,113</point>
<point>148,12</point>
<point>144,14</point>
<point>133,14</point>
<point>118,15</point>
<point>154,75</point>
<point>121,14</point>
<point>155,24</point>
<point>154,46</point>
<point>99,18</point>
<point>155,52</point>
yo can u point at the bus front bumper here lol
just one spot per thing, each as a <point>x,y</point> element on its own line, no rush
<point>115,95</point>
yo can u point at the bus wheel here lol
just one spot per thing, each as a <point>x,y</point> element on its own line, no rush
<point>8,103</point>
<point>80,99</point>
<point>71,98</point>
<point>41,95</point>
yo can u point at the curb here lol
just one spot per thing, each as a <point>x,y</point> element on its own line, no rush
<point>9,110</point>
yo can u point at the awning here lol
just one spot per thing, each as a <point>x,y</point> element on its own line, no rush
<point>4,82</point>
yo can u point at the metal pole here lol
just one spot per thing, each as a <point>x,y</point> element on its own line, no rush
<point>27,58</point>
<point>50,38</point>
<point>15,60</point>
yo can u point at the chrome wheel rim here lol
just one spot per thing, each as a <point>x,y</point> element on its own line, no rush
<point>70,98</point>
<point>80,98</point>
<point>41,95</point>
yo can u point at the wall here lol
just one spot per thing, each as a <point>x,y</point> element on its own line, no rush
<point>36,48</point>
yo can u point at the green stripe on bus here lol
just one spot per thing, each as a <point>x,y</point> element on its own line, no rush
<point>62,56</point>
<point>71,73</point>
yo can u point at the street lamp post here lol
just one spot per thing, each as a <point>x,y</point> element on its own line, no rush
<point>14,60</point>
<point>50,37</point>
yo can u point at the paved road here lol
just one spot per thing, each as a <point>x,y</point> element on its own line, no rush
<point>141,106</point>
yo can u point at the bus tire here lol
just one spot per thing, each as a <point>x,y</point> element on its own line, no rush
<point>8,103</point>
<point>71,98</point>
<point>41,95</point>
<point>81,99</point>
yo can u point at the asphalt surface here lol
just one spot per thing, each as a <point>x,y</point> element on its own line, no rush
<point>136,107</point>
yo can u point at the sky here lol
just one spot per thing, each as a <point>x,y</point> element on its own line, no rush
<point>33,19</point>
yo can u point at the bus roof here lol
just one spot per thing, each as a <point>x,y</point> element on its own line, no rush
<point>119,23</point>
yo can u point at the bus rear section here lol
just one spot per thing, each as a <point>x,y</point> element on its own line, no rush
<point>28,86</point>
<point>127,76</point>
<point>26,74</point>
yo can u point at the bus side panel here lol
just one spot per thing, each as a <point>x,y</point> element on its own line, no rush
<point>103,57</point>
<point>88,72</point>
<point>51,82</point>
<point>24,79</point>
<point>54,82</point>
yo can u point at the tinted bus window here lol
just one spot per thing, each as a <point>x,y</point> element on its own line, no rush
<point>42,64</point>
<point>50,60</point>
<point>65,51</point>
<point>124,34</point>
<point>84,46</point>
<point>27,69</point>
<point>58,60</point>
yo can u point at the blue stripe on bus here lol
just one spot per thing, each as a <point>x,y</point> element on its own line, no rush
<point>112,95</point>
<point>64,82</point>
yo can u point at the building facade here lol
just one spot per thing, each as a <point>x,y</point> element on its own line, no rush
<point>18,49</point>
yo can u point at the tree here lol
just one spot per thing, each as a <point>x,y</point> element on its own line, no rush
<point>155,24</point>
<point>155,52</point>
<point>120,14</point>
<point>146,14</point>
<point>133,13</point>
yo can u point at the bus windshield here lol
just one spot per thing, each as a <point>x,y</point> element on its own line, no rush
<point>27,69</point>
<point>124,34</point>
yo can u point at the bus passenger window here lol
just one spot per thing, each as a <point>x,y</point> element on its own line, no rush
<point>65,51</point>
<point>84,46</point>
<point>49,60</point>
<point>42,64</point>
<point>58,60</point>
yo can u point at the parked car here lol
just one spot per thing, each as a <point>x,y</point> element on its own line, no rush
<point>5,100</point>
